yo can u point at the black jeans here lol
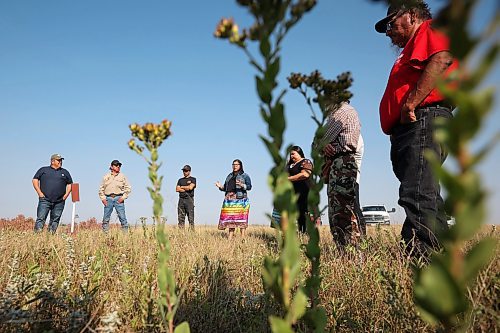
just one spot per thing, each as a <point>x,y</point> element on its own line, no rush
<point>419,191</point>
<point>185,207</point>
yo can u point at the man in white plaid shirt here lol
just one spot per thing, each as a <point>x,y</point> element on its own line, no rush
<point>340,143</point>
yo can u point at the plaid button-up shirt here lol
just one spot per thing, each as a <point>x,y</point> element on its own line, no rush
<point>342,129</point>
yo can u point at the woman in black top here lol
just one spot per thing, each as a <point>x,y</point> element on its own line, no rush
<point>299,169</point>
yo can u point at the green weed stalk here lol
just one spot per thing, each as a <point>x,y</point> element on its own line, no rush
<point>273,20</point>
<point>152,136</point>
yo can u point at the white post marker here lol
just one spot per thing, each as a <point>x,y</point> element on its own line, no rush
<point>75,196</point>
<point>73,218</point>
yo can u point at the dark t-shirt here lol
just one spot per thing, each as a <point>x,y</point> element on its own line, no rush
<point>301,186</point>
<point>53,182</point>
<point>231,184</point>
<point>185,181</point>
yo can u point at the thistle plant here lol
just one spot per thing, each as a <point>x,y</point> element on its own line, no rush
<point>273,20</point>
<point>441,287</point>
<point>328,95</point>
<point>152,136</point>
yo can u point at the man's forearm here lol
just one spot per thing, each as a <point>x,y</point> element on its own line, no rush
<point>36,185</point>
<point>68,191</point>
<point>432,73</point>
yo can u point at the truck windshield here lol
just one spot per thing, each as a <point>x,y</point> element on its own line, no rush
<point>374,209</point>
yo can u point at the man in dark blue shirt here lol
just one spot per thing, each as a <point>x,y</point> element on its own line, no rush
<point>53,185</point>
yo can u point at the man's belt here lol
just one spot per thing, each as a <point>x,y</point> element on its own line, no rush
<point>437,105</point>
<point>114,195</point>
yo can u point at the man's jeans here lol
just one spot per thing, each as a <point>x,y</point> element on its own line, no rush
<point>120,210</point>
<point>56,210</point>
<point>419,192</point>
<point>185,207</point>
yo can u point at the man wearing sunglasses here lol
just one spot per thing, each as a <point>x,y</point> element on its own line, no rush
<point>408,110</point>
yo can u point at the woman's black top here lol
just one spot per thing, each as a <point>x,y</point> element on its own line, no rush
<point>231,184</point>
<point>300,186</point>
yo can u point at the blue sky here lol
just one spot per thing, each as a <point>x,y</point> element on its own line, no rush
<point>75,74</point>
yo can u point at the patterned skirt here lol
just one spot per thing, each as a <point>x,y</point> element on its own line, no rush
<point>234,212</point>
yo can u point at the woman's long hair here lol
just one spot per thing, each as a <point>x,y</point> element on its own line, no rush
<point>241,165</point>
<point>298,150</point>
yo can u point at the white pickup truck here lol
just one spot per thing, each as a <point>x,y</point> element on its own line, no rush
<point>377,214</point>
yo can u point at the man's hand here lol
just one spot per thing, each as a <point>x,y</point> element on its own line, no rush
<point>329,150</point>
<point>120,200</point>
<point>407,115</point>
<point>36,186</point>
<point>435,68</point>
<point>104,202</point>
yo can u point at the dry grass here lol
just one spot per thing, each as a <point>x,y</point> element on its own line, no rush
<point>107,283</point>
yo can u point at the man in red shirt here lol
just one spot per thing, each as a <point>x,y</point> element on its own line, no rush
<point>408,109</point>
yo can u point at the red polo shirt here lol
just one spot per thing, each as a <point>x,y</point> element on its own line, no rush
<point>407,71</point>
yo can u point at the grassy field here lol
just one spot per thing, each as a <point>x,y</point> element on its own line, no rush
<point>107,283</point>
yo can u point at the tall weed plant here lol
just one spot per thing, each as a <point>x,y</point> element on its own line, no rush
<point>273,21</point>
<point>152,136</point>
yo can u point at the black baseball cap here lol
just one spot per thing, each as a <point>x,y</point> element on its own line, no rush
<point>186,168</point>
<point>393,10</point>
<point>381,26</point>
<point>116,162</point>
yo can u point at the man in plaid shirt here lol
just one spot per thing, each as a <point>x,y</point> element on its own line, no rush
<point>340,143</point>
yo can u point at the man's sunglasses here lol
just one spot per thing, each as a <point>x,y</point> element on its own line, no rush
<point>388,25</point>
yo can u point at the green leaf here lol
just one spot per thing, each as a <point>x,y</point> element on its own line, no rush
<point>264,114</point>
<point>298,306</point>
<point>34,269</point>
<point>316,319</point>
<point>477,258</point>
<point>271,277</point>
<point>265,46</point>
<point>277,122</point>
<point>437,293</point>
<point>182,328</point>
<point>272,149</point>
<point>263,89</point>
<point>273,70</point>
<point>279,325</point>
